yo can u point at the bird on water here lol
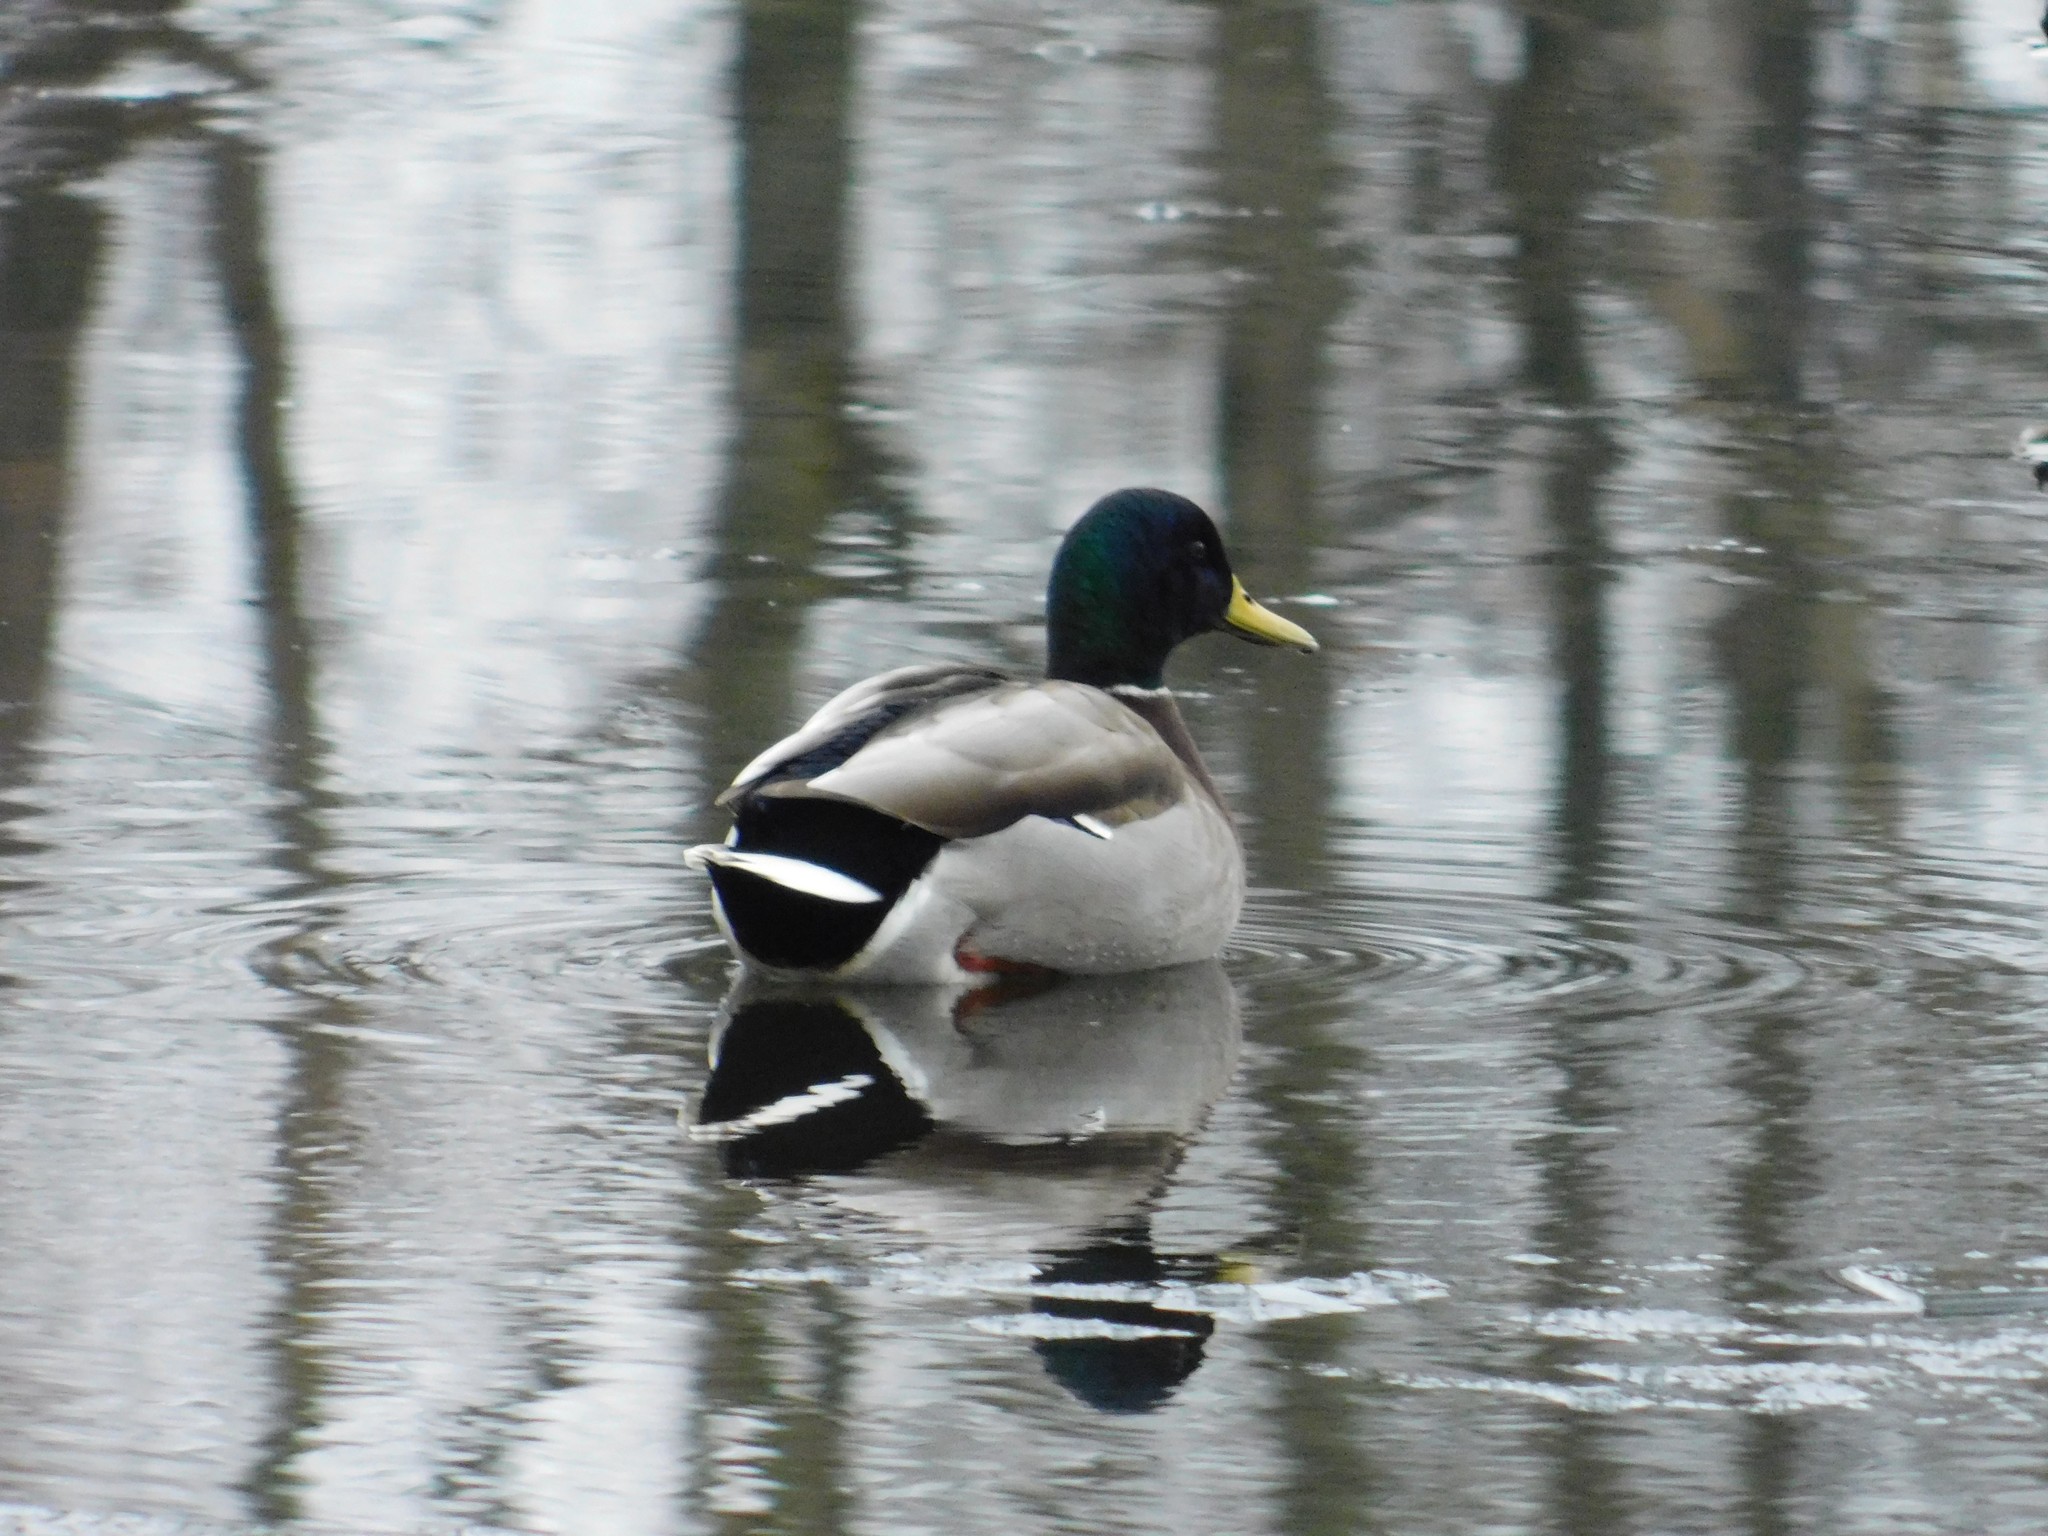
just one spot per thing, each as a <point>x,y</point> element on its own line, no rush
<point>2031,448</point>
<point>941,822</point>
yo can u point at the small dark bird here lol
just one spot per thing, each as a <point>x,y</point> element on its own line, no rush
<point>2032,448</point>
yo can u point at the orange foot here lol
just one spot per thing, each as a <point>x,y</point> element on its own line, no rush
<point>1008,981</point>
<point>995,965</point>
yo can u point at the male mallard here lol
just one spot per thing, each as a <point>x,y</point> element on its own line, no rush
<point>942,820</point>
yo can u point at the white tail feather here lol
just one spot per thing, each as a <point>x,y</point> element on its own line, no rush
<point>798,875</point>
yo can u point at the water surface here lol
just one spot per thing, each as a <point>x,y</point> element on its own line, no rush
<point>439,443</point>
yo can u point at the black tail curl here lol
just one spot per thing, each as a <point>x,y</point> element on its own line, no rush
<point>790,930</point>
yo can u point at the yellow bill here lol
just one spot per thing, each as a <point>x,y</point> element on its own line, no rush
<point>1245,617</point>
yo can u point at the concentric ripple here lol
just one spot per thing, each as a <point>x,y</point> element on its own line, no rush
<point>588,936</point>
<point>1505,957</point>
<point>1406,928</point>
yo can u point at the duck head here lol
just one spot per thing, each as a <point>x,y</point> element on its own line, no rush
<point>1142,571</point>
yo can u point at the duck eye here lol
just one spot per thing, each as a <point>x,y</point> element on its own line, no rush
<point>1199,551</point>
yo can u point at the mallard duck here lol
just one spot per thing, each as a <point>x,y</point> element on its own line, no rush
<point>940,822</point>
<point>2031,448</point>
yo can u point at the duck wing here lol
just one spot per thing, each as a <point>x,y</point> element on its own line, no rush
<point>847,721</point>
<point>974,760</point>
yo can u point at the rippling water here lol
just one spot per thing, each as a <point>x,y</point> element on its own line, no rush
<point>440,442</point>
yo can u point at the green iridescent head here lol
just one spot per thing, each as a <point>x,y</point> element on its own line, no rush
<point>1140,572</point>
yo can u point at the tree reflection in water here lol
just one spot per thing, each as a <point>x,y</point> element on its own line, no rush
<point>438,442</point>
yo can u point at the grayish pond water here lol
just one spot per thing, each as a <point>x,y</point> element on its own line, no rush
<point>440,440</point>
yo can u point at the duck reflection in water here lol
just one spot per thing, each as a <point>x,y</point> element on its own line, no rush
<point>1037,1119</point>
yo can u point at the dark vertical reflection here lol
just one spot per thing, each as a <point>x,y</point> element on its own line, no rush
<point>1781,48</point>
<point>313,1123</point>
<point>1548,142</point>
<point>1551,147</point>
<point>1788,656</point>
<point>1273,119</point>
<point>1766,646</point>
<point>51,244</point>
<point>1275,166</point>
<point>1276,173</point>
<point>795,462</point>
<point>1580,654</point>
<point>316,1134</point>
<point>49,250</point>
<point>241,257</point>
<point>1581,1191</point>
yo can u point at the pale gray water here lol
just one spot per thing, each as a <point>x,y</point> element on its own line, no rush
<point>440,442</point>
